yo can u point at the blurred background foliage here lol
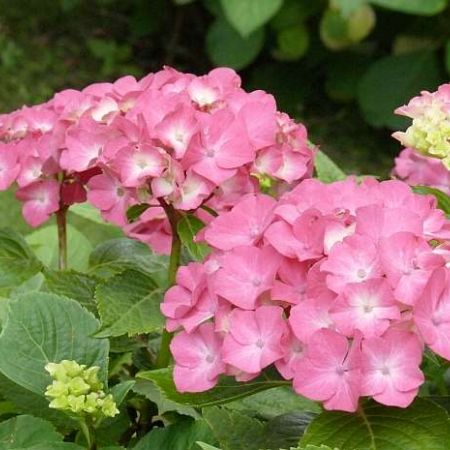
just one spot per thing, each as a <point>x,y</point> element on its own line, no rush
<point>341,66</point>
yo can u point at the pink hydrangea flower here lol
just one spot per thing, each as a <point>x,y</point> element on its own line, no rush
<point>198,363</point>
<point>254,340</point>
<point>330,372</point>
<point>41,199</point>
<point>390,367</point>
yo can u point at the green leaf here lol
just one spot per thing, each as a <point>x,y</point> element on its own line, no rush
<point>28,402</point>
<point>17,261</point>
<point>269,404</point>
<point>178,436</point>
<point>286,430</point>
<point>135,211</point>
<point>327,170</point>
<point>423,425</point>
<point>44,242</point>
<point>233,430</point>
<point>42,328</point>
<point>149,390</point>
<point>226,47</point>
<point>249,15</point>
<point>391,81</point>
<point>447,56</point>
<point>72,284</point>
<point>128,303</point>
<point>442,198</point>
<point>205,446</point>
<point>293,43</point>
<point>89,212</point>
<point>117,255</point>
<point>28,432</point>
<point>315,447</point>
<point>120,391</point>
<point>188,227</point>
<point>346,7</point>
<point>419,7</point>
<point>225,391</point>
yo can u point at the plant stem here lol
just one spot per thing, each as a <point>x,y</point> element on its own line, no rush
<point>85,429</point>
<point>174,217</point>
<point>61,221</point>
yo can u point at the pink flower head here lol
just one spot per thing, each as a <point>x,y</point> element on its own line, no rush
<point>197,359</point>
<point>255,338</point>
<point>243,225</point>
<point>295,350</point>
<point>432,313</point>
<point>245,274</point>
<point>390,368</point>
<point>330,371</point>
<point>41,199</point>
<point>368,306</point>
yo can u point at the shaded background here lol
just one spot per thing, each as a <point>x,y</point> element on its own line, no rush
<point>340,66</point>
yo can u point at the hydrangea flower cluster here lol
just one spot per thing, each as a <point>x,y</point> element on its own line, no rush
<point>170,137</point>
<point>340,286</point>
<point>429,133</point>
<point>420,170</point>
<point>77,390</point>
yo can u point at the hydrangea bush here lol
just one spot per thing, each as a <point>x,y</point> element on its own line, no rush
<point>251,303</point>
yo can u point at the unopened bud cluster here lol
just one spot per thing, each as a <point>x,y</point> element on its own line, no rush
<point>77,389</point>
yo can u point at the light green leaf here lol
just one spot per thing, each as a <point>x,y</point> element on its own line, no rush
<point>419,7</point>
<point>17,261</point>
<point>188,227</point>
<point>327,170</point>
<point>44,242</point>
<point>42,328</point>
<point>226,47</point>
<point>407,74</point>
<point>249,15</point>
<point>117,255</point>
<point>225,391</point>
<point>346,7</point>
<point>205,446</point>
<point>178,436</point>
<point>423,425</point>
<point>149,390</point>
<point>267,405</point>
<point>442,198</point>
<point>128,303</point>
<point>89,212</point>
<point>72,284</point>
<point>28,432</point>
<point>233,430</point>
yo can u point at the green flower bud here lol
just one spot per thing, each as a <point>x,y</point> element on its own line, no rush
<point>77,390</point>
<point>57,389</point>
<point>77,386</point>
<point>109,408</point>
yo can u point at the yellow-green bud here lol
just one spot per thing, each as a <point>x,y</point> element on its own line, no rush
<point>77,390</point>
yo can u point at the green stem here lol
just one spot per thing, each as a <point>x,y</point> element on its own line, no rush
<point>61,221</point>
<point>85,429</point>
<point>174,217</point>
